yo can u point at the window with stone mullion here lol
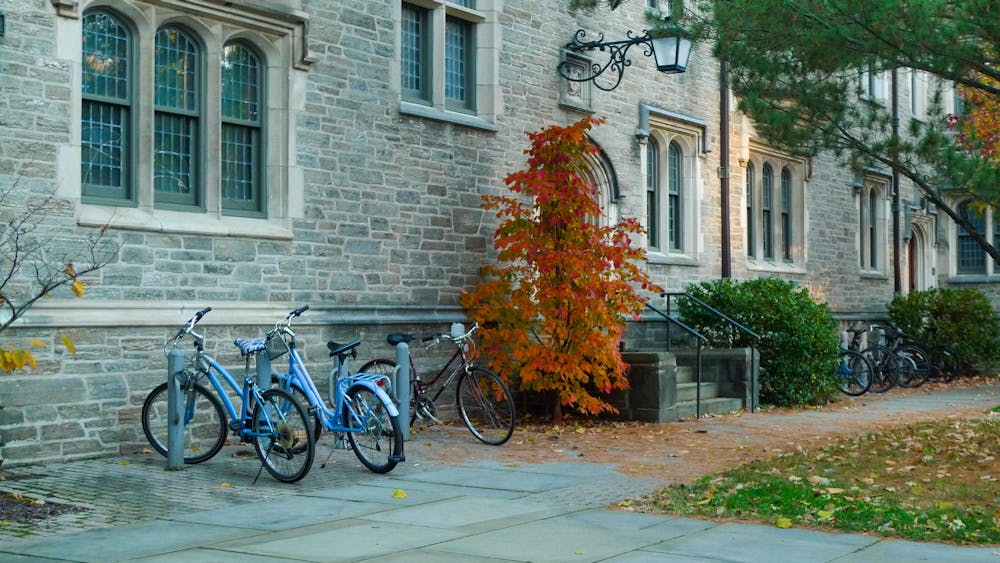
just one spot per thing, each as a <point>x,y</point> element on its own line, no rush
<point>241,153</point>
<point>767,197</point>
<point>675,174</point>
<point>176,118</point>
<point>106,108</point>
<point>652,193</point>
<point>459,63</point>
<point>786,214</point>
<point>751,213</point>
<point>971,257</point>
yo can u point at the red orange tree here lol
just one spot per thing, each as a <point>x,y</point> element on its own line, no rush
<point>553,307</point>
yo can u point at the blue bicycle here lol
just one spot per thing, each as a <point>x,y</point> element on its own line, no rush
<point>271,419</point>
<point>362,410</point>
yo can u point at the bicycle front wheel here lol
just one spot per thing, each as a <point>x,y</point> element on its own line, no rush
<point>373,433</point>
<point>284,438</point>
<point>854,373</point>
<point>204,422</point>
<point>915,366</point>
<point>281,382</point>
<point>945,364</point>
<point>486,407</point>
<point>886,368</point>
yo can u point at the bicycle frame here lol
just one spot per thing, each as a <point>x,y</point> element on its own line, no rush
<point>422,386</point>
<point>208,367</point>
<point>298,375</point>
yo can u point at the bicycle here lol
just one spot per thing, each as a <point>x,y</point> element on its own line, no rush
<point>884,362</point>
<point>853,371</point>
<point>271,419</point>
<point>483,400</point>
<point>915,364</point>
<point>361,410</point>
<point>945,363</point>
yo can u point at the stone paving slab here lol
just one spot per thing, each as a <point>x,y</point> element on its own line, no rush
<point>122,542</point>
<point>348,543</point>
<point>894,550</point>
<point>753,543</point>
<point>281,513</point>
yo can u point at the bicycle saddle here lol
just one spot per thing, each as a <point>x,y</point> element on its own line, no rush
<point>398,338</point>
<point>248,346</point>
<point>340,349</point>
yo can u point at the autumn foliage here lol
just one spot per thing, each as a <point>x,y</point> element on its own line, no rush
<point>980,125</point>
<point>554,306</point>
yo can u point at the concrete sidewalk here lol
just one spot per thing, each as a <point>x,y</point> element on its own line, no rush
<point>477,511</point>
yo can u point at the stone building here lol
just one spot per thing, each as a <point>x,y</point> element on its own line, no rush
<point>258,155</point>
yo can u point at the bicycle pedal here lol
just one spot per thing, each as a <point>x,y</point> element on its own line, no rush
<point>397,458</point>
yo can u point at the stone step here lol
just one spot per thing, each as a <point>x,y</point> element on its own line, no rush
<point>685,374</point>
<point>718,405</point>
<point>689,391</point>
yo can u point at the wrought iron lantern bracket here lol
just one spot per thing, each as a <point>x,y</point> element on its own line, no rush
<point>617,61</point>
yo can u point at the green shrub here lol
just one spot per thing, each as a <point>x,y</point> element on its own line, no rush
<point>799,342</point>
<point>960,318</point>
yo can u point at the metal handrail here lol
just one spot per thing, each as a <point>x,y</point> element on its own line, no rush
<point>734,324</point>
<point>702,340</point>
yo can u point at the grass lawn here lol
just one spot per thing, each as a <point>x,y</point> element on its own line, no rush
<point>930,481</point>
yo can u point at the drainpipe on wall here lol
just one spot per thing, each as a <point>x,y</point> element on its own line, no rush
<point>896,267</point>
<point>724,167</point>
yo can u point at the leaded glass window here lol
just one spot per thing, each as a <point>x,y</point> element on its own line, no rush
<point>674,178</point>
<point>458,64</point>
<point>176,120</point>
<point>767,198</point>
<point>751,212</point>
<point>414,49</point>
<point>971,256</point>
<point>872,230</point>
<point>786,214</point>
<point>106,108</point>
<point>241,155</point>
<point>652,192</point>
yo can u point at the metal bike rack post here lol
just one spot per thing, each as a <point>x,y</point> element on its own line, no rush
<point>401,386</point>
<point>175,410</point>
<point>263,369</point>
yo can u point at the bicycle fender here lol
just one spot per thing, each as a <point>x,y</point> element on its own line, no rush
<point>393,411</point>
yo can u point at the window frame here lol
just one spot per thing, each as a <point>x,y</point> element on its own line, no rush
<point>483,105</point>
<point>97,193</point>
<point>785,225</point>
<point>278,34</point>
<point>673,140</point>
<point>873,216</point>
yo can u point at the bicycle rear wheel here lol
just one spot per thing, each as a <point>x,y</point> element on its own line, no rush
<point>486,407</point>
<point>421,406</point>
<point>284,441</point>
<point>853,373</point>
<point>886,368</point>
<point>945,363</point>
<point>373,433</point>
<point>915,366</point>
<point>204,422</point>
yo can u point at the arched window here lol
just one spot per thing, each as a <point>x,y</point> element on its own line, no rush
<point>675,171</point>
<point>653,193</point>
<point>767,201</point>
<point>177,99</point>
<point>241,154</point>
<point>786,214</point>
<point>872,229</point>
<point>106,124</point>
<point>751,213</point>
